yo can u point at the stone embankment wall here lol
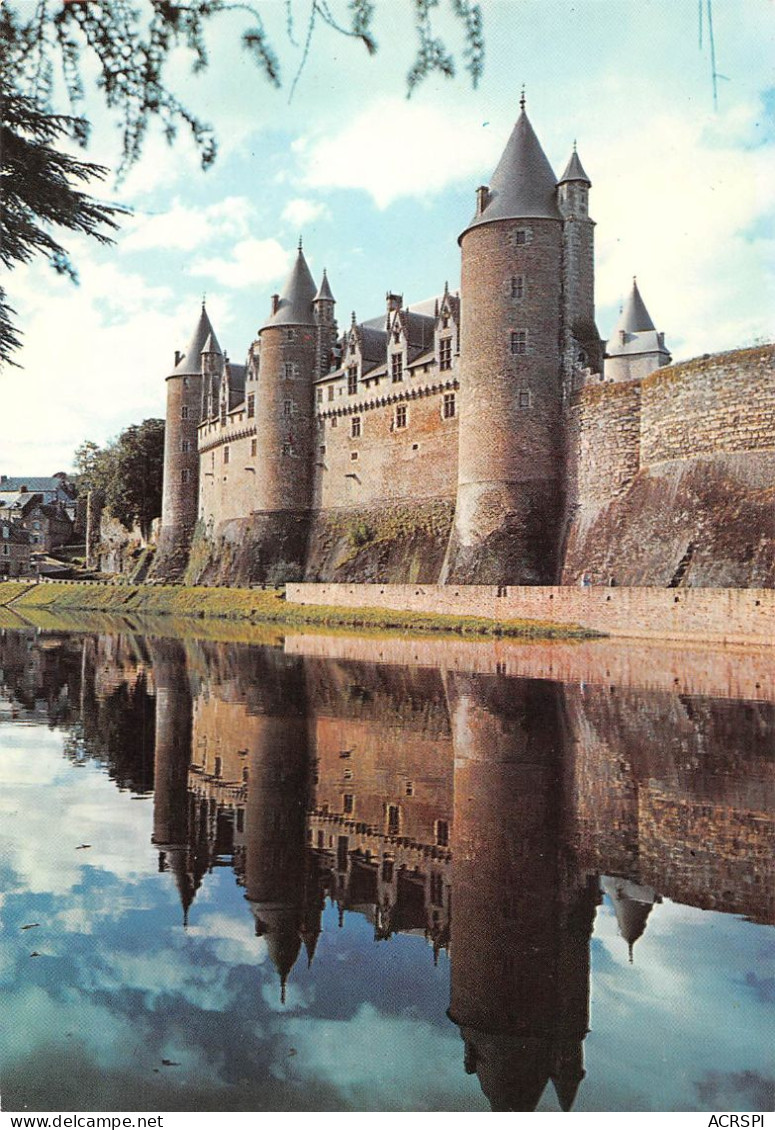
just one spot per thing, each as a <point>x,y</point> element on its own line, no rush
<point>672,480</point>
<point>722,615</point>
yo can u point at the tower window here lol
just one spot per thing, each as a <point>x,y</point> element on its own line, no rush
<point>185,445</point>
<point>448,407</point>
<point>393,819</point>
<point>437,889</point>
<point>348,804</point>
<point>355,427</point>
<point>520,237</point>
<point>442,833</point>
<point>524,398</point>
<point>518,286</point>
<point>251,404</point>
<point>397,367</point>
<point>287,408</point>
<point>291,370</point>
<point>253,447</point>
<point>518,341</point>
<point>352,380</point>
<point>445,353</point>
<point>184,475</point>
<point>226,454</point>
<point>334,422</point>
<point>184,412</point>
<point>287,449</point>
<point>353,455</point>
<point>401,416</point>
<point>218,767</point>
<point>290,334</point>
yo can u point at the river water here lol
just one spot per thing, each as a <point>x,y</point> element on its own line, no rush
<point>328,873</point>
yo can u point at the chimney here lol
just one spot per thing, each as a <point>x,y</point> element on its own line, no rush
<point>178,357</point>
<point>482,198</point>
<point>275,303</point>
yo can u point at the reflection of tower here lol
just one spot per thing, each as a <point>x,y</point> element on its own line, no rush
<point>275,819</point>
<point>632,903</point>
<point>173,754</point>
<point>522,915</point>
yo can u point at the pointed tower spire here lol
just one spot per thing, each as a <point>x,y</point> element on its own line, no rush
<point>324,290</point>
<point>190,362</point>
<point>574,170</point>
<point>635,317</point>
<point>294,306</point>
<point>523,185</point>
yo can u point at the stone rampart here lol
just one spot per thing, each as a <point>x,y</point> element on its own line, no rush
<point>710,405</point>
<point>604,442</point>
<point>721,615</point>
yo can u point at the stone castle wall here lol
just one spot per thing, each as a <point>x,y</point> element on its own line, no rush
<point>721,403</point>
<point>385,462</point>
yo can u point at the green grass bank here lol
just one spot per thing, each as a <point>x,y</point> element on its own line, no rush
<point>259,606</point>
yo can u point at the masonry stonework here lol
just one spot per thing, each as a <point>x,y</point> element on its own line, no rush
<point>481,437</point>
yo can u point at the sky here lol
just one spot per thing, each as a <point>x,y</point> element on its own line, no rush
<point>379,186</point>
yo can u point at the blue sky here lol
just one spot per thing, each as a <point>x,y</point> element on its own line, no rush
<point>380,186</point>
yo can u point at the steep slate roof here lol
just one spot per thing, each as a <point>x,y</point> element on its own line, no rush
<point>574,170</point>
<point>324,290</point>
<point>635,317</point>
<point>295,305</point>
<point>191,361</point>
<point>19,500</point>
<point>635,332</point>
<point>45,484</point>
<point>523,185</point>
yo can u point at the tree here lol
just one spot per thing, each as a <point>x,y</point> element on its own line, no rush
<point>130,47</point>
<point>127,474</point>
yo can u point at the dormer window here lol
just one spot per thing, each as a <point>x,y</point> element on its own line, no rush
<point>251,404</point>
<point>445,320</point>
<point>445,353</point>
<point>397,367</point>
<point>352,380</point>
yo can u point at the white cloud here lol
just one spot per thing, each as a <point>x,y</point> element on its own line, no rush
<point>394,148</point>
<point>689,224</point>
<point>253,262</point>
<point>300,212</point>
<point>185,228</point>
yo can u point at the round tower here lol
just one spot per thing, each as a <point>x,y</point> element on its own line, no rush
<point>285,423</point>
<point>181,460</point>
<point>509,472</point>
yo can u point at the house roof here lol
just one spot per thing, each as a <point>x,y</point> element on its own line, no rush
<point>19,500</point>
<point>523,185</point>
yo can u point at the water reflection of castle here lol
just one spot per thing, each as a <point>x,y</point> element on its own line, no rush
<point>483,812</point>
<point>400,792</point>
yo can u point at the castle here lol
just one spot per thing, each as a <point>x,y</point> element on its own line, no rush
<point>485,437</point>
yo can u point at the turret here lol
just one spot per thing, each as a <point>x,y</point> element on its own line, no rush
<point>181,460</point>
<point>285,422</point>
<point>323,306</point>
<point>581,341</point>
<point>211,363</point>
<point>508,498</point>
<point>635,348</point>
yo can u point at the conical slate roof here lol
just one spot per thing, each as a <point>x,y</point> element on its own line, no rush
<point>190,362</point>
<point>574,170</point>
<point>523,186</point>
<point>295,305</point>
<point>211,345</point>
<point>634,317</point>
<point>324,291</point>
